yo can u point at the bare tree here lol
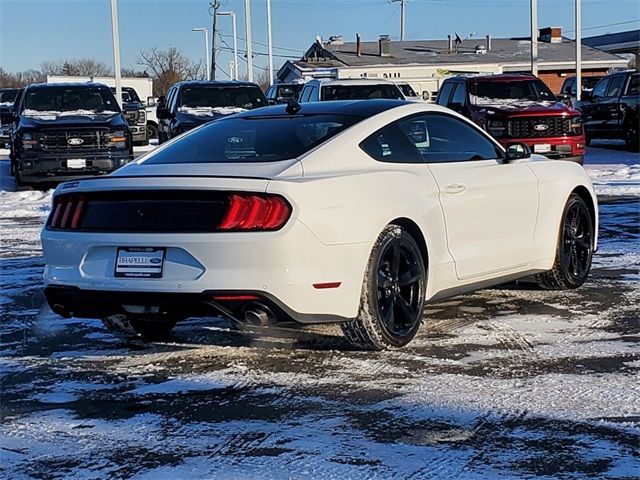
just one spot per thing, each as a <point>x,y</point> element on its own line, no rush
<point>20,79</point>
<point>168,67</point>
<point>83,66</point>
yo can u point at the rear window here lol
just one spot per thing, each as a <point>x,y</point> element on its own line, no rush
<point>360,92</point>
<point>252,139</point>
<point>288,91</point>
<point>240,97</point>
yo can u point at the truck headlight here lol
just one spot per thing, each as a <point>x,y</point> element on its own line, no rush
<point>29,140</point>
<point>142,117</point>
<point>497,128</point>
<point>117,139</point>
<point>576,125</point>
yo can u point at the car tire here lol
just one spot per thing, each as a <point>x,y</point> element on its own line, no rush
<point>162,137</point>
<point>632,136</point>
<point>393,293</point>
<point>574,251</point>
<point>22,186</point>
<point>152,131</point>
<point>133,327</point>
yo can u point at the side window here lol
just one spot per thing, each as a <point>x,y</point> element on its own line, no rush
<point>390,144</point>
<point>634,85</point>
<point>615,86</point>
<point>171,99</point>
<point>304,95</point>
<point>568,87</point>
<point>441,138</point>
<point>459,95</point>
<point>269,93</point>
<point>445,92</point>
<point>313,96</point>
<point>600,88</point>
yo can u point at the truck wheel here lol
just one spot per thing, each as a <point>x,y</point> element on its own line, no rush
<point>575,248</point>
<point>632,136</point>
<point>393,293</point>
<point>152,131</point>
<point>22,186</point>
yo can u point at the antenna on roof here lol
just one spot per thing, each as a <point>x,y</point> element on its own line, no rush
<point>293,106</point>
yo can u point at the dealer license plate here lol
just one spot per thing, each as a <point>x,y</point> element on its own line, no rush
<point>542,148</point>
<point>76,163</point>
<point>140,262</point>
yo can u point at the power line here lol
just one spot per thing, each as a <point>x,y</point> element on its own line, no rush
<point>595,27</point>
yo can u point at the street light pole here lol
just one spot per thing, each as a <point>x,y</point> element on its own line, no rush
<point>247,24</point>
<point>116,50</point>
<point>215,5</point>
<point>269,42</point>
<point>578,50</point>
<point>206,49</point>
<point>534,37</point>
<point>235,42</point>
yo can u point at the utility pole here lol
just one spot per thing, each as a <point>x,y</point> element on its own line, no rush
<point>247,24</point>
<point>235,42</point>
<point>115,35</point>
<point>578,50</point>
<point>534,37</point>
<point>402,17</point>
<point>215,5</point>
<point>269,42</point>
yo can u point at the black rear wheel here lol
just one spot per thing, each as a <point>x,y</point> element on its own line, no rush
<point>632,136</point>
<point>393,293</point>
<point>575,248</point>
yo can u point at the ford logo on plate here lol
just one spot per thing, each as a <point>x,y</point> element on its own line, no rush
<point>155,260</point>
<point>235,140</point>
<point>75,141</point>
<point>541,127</point>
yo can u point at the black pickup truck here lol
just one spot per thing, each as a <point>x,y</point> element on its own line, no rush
<point>7,97</point>
<point>612,109</point>
<point>67,131</point>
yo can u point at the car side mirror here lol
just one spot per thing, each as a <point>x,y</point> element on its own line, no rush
<point>162,113</point>
<point>517,151</point>
<point>151,101</point>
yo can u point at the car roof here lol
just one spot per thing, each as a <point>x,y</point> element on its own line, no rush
<point>66,85</point>
<point>499,77</point>
<point>352,81</point>
<point>359,108</point>
<point>215,83</point>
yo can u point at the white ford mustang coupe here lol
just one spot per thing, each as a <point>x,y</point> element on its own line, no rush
<point>355,212</point>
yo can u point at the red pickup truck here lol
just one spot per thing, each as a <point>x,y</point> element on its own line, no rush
<point>517,108</point>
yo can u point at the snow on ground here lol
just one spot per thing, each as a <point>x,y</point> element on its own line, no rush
<point>509,382</point>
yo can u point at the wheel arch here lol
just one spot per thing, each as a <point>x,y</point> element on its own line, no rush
<point>416,232</point>
<point>585,194</point>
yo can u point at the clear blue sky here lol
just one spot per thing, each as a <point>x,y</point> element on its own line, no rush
<point>32,31</point>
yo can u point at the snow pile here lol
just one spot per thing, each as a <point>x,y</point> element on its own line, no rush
<point>615,179</point>
<point>6,104</point>
<point>54,114</point>
<point>509,103</point>
<point>210,111</point>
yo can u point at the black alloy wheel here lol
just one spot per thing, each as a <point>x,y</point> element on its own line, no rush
<point>632,136</point>
<point>399,287</point>
<point>575,248</point>
<point>393,293</point>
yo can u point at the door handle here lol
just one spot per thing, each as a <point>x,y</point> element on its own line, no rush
<point>454,188</point>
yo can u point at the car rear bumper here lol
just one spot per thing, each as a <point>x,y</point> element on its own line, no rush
<point>570,148</point>
<point>56,167</point>
<point>281,268</point>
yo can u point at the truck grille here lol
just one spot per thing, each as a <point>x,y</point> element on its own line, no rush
<point>73,140</point>
<point>538,127</point>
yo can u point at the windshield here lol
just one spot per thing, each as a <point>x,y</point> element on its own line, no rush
<point>70,99</point>
<point>407,90</point>
<point>8,96</point>
<point>288,91</point>
<point>128,94</point>
<point>533,90</point>
<point>360,92</point>
<point>213,97</point>
<point>252,139</point>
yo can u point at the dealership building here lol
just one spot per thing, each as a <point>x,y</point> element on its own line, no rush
<point>425,63</point>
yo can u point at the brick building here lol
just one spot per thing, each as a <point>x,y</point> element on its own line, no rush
<point>425,63</point>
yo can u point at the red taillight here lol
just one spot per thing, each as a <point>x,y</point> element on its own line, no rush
<point>255,212</point>
<point>67,212</point>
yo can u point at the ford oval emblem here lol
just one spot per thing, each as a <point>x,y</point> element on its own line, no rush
<point>75,141</point>
<point>155,260</point>
<point>235,140</point>
<point>541,127</point>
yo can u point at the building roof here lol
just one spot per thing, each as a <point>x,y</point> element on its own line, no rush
<point>630,38</point>
<point>503,51</point>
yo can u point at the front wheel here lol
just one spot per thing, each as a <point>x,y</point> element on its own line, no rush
<point>632,136</point>
<point>575,248</point>
<point>152,131</point>
<point>393,293</point>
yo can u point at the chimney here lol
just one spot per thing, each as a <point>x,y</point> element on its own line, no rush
<point>550,34</point>
<point>358,45</point>
<point>449,43</point>
<point>488,44</point>
<point>384,44</point>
